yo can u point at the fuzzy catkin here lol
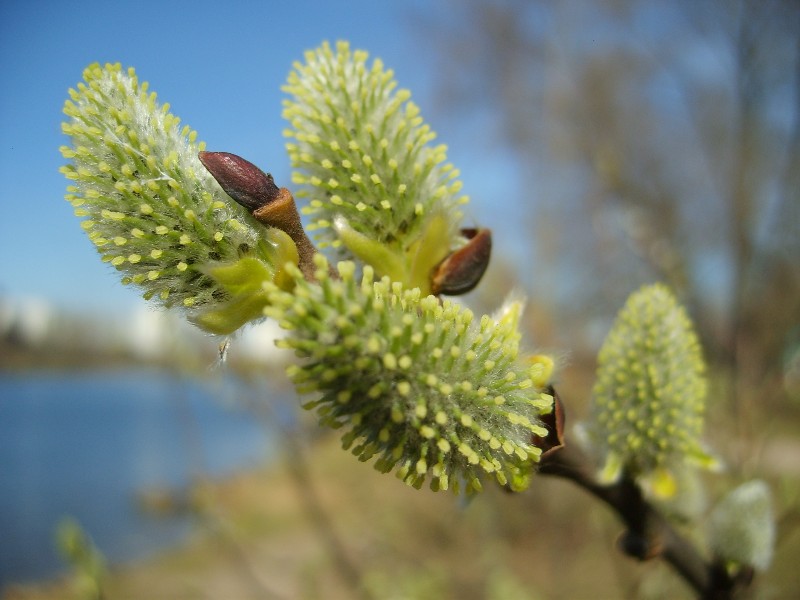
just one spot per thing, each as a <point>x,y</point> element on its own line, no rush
<point>649,397</point>
<point>149,206</point>
<point>363,156</point>
<point>415,383</point>
<point>742,526</point>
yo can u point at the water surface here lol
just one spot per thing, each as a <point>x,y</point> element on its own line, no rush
<point>83,445</point>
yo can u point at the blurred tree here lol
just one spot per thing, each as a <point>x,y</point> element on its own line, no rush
<point>652,140</point>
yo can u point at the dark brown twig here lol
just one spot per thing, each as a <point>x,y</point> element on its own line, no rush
<point>648,534</point>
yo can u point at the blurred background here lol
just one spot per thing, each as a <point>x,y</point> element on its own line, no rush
<point>607,144</point>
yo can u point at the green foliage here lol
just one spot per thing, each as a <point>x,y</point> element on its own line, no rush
<point>363,157</point>
<point>649,397</point>
<point>416,383</point>
<point>150,207</point>
<point>244,281</point>
<point>88,563</point>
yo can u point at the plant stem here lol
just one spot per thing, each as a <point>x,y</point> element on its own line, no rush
<point>648,533</point>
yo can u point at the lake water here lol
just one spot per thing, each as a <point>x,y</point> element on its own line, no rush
<point>84,445</point>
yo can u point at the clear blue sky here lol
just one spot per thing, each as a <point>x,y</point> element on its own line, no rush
<point>219,64</point>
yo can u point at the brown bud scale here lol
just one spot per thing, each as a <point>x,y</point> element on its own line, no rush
<point>462,270</point>
<point>270,205</point>
<point>241,179</point>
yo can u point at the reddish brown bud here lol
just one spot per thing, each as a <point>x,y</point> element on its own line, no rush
<point>241,179</point>
<point>462,270</point>
<point>269,204</point>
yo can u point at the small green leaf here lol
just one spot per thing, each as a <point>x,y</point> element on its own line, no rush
<point>372,252</point>
<point>244,282</point>
<point>429,250</point>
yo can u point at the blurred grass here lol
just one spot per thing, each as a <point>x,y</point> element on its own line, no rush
<point>255,539</point>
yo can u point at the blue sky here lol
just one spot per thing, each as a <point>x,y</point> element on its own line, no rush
<point>220,66</point>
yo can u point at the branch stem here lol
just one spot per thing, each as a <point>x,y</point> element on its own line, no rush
<point>648,534</point>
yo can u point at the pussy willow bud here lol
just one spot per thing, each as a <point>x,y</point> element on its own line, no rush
<point>154,212</point>
<point>269,204</point>
<point>742,527</point>
<point>462,270</point>
<point>649,397</point>
<point>241,179</point>
<point>376,186</point>
<point>419,385</point>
